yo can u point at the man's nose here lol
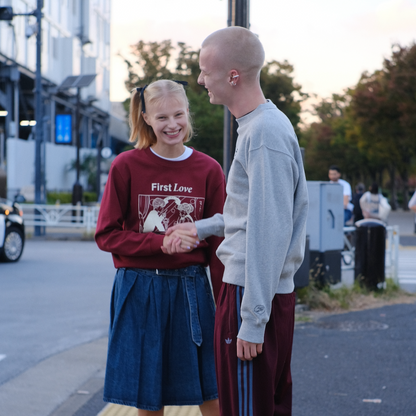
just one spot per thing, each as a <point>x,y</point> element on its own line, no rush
<point>200,80</point>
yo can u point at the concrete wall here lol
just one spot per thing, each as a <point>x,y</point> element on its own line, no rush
<point>58,159</point>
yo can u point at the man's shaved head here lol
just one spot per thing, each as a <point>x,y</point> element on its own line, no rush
<point>237,48</point>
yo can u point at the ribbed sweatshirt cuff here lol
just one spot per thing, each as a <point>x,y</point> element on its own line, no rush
<point>250,331</point>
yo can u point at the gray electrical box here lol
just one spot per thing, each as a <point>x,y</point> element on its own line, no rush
<point>325,224</point>
<point>325,228</point>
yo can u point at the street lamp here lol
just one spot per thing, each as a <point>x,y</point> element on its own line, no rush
<point>78,82</point>
<point>6,13</point>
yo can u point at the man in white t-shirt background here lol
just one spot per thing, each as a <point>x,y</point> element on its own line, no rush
<point>334,175</point>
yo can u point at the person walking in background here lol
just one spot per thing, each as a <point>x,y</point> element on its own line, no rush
<point>264,224</point>
<point>357,212</point>
<point>161,333</point>
<point>412,206</point>
<point>334,174</point>
<point>412,203</point>
<point>374,205</point>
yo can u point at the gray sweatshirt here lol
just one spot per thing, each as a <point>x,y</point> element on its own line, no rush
<point>264,220</point>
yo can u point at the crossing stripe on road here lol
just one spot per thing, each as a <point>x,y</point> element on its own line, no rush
<point>407,267</point>
<point>412,281</point>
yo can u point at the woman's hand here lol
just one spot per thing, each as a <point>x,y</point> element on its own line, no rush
<point>179,240</point>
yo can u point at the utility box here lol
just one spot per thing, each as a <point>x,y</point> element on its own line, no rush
<point>301,277</point>
<point>325,228</point>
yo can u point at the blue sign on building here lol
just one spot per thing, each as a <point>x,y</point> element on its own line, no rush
<point>63,129</point>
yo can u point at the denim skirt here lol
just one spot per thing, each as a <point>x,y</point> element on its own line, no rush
<point>160,350</point>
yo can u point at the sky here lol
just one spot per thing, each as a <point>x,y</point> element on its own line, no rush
<point>330,43</point>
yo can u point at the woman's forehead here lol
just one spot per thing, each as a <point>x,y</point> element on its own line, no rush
<point>168,103</point>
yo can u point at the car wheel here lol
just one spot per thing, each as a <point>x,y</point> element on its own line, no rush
<point>13,244</point>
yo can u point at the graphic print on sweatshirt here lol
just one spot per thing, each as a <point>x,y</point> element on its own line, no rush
<point>159,212</point>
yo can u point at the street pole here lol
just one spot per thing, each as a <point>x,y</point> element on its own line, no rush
<point>39,192</point>
<point>238,15</point>
<point>77,189</point>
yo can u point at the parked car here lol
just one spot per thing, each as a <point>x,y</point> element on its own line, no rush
<point>12,231</point>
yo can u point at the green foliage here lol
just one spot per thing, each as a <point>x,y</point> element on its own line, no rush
<point>278,85</point>
<point>66,197</point>
<point>328,298</point>
<point>87,167</point>
<point>151,63</point>
<point>369,131</point>
<point>58,197</point>
<point>208,124</point>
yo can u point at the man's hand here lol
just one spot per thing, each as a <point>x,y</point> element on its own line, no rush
<point>186,227</point>
<point>179,241</point>
<point>246,351</point>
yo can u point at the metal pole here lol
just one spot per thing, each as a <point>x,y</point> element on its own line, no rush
<point>238,15</point>
<point>99,148</point>
<point>77,192</point>
<point>16,109</point>
<point>38,111</point>
<point>2,145</point>
<point>77,134</point>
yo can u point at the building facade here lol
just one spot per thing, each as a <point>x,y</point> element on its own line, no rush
<point>75,42</point>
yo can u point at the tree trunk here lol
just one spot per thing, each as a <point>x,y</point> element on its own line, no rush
<point>405,179</point>
<point>393,191</point>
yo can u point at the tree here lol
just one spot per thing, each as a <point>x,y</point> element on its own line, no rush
<point>371,130</point>
<point>328,141</point>
<point>278,85</point>
<point>151,63</point>
<point>384,107</point>
<point>88,168</point>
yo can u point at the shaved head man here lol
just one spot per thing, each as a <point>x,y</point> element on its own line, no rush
<point>264,230</point>
<point>230,57</point>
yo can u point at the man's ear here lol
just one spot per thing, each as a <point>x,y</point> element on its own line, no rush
<point>234,75</point>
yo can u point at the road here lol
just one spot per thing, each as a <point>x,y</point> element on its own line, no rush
<point>358,363</point>
<point>53,325</point>
<point>54,300</point>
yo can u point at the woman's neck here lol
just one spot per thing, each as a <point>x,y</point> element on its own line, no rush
<point>170,152</point>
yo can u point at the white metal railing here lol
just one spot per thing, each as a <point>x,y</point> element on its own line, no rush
<point>392,251</point>
<point>65,216</point>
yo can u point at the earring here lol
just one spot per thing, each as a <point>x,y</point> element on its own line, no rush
<point>233,82</point>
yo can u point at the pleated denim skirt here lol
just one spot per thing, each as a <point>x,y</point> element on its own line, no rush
<point>160,350</point>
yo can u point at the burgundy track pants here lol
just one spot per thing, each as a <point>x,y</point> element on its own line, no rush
<point>263,386</point>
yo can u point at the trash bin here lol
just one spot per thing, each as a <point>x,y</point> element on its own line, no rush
<point>370,252</point>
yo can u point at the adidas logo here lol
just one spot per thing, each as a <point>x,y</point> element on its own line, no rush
<point>228,341</point>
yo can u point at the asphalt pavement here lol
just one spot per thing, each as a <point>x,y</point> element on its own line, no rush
<point>355,363</point>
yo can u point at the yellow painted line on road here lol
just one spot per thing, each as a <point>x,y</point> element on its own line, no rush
<point>118,410</point>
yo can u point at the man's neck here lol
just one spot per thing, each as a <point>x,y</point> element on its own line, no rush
<point>246,102</point>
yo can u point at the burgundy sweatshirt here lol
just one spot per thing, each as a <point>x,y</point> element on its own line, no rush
<point>145,195</point>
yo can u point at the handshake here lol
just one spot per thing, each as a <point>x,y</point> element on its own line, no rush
<point>181,238</point>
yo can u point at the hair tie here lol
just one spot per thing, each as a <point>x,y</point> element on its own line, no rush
<point>141,91</point>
